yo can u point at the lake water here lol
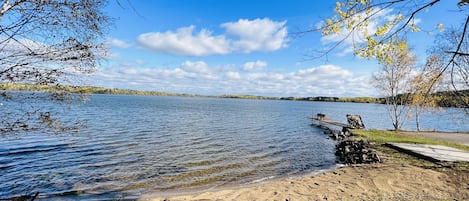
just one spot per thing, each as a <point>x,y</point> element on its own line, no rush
<point>138,146</point>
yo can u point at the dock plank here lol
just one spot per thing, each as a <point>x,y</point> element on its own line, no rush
<point>327,121</point>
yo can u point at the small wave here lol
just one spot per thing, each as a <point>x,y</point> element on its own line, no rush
<point>201,163</point>
<point>262,179</point>
<point>269,164</point>
<point>202,173</point>
<point>33,149</point>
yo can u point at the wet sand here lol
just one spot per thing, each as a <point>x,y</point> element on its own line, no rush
<point>385,181</point>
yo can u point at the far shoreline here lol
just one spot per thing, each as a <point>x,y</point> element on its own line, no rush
<point>448,103</point>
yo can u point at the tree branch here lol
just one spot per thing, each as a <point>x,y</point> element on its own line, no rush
<point>412,15</point>
<point>457,53</point>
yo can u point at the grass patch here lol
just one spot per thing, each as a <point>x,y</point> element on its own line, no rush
<point>381,137</point>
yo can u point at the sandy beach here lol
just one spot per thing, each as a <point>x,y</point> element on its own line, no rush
<point>385,181</point>
<point>397,177</point>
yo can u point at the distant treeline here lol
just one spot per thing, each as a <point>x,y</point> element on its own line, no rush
<point>338,99</point>
<point>84,90</point>
<point>444,99</point>
<point>452,99</point>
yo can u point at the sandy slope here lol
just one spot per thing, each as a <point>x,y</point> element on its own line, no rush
<point>387,181</point>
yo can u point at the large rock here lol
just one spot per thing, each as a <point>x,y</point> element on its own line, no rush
<point>355,121</point>
<point>356,152</point>
<point>339,135</point>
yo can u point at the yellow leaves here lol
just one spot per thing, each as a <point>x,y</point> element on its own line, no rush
<point>364,2</point>
<point>327,30</point>
<point>378,35</point>
<point>349,26</point>
<point>414,28</point>
<point>371,42</point>
<point>423,84</point>
<point>328,22</point>
<point>440,27</point>
<point>332,26</point>
<point>336,29</point>
<point>384,53</point>
<point>382,30</point>
<point>402,45</point>
<point>339,10</point>
<point>400,17</point>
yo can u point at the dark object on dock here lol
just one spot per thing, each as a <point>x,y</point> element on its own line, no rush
<point>356,152</point>
<point>320,116</point>
<point>355,121</point>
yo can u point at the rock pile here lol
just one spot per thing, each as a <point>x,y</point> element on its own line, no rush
<point>352,151</point>
<point>337,135</point>
<point>348,150</point>
<point>355,121</point>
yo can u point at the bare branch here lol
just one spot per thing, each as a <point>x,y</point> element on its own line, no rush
<point>412,15</point>
<point>457,53</point>
<point>49,43</point>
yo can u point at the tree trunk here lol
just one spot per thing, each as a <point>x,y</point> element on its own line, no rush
<point>417,120</point>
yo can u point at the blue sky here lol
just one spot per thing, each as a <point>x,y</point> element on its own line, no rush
<point>217,47</point>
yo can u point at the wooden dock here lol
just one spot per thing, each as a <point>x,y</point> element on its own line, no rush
<point>335,130</point>
<point>353,122</point>
<point>330,122</point>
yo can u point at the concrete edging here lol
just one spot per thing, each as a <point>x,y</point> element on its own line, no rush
<point>434,153</point>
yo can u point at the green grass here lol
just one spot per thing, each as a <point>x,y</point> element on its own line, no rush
<point>381,137</point>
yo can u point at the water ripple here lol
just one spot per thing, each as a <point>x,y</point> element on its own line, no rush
<point>139,145</point>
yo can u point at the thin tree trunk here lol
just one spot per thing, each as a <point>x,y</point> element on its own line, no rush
<point>417,120</point>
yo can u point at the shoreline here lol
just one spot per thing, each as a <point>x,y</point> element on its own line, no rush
<point>397,177</point>
<point>389,181</point>
<point>172,193</point>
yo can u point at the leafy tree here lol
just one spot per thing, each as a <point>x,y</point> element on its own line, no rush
<point>373,36</point>
<point>423,88</point>
<point>393,80</point>
<point>51,43</point>
<point>452,52</point>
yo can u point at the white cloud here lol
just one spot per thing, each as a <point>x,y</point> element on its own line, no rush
<point>140,61</point>
<point>241,36</point>
<point>324,72</point>
<point>198,77</point>
<point>184,43</point>
<point>113,42</point>
<point>195,67</point>
<point>197,70</point>
<point>257,35</point>
<point>233,75</point>
<point>254,65</point>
